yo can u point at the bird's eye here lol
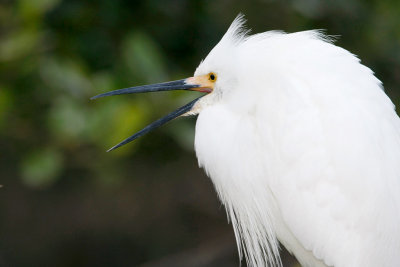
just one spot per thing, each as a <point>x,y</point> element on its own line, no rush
<point>212,77</point>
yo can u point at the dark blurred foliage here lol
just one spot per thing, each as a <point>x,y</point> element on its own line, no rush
<point>64,200</point>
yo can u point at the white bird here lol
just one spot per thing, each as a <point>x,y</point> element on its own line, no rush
<point>302,145</point>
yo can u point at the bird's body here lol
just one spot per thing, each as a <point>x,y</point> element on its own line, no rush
<point>303,146</point>
<point>306,148</point>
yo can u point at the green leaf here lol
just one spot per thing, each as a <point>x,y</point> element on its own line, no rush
<point>18,44</point>
<point>33,8</point>
<point>67,119</point>
<point>66,75</point>
<point>41,167</point>
<point>143,57</point>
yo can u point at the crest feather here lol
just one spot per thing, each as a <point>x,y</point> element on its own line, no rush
<point>237,32</point>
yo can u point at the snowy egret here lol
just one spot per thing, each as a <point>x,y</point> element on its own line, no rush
<point>302,145</point>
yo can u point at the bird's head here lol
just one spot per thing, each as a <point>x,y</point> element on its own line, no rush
<point>215,75</point>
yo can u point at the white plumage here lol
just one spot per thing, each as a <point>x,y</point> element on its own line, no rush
<point>303,146</point>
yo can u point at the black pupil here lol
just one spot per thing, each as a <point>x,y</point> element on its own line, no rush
<point>212,77</point>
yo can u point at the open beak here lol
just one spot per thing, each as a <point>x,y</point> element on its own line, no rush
<point>198,83</point>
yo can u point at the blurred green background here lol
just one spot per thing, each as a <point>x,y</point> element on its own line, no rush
<point>64,201</point>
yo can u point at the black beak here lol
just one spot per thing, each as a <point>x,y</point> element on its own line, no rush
<point>167,86</point>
